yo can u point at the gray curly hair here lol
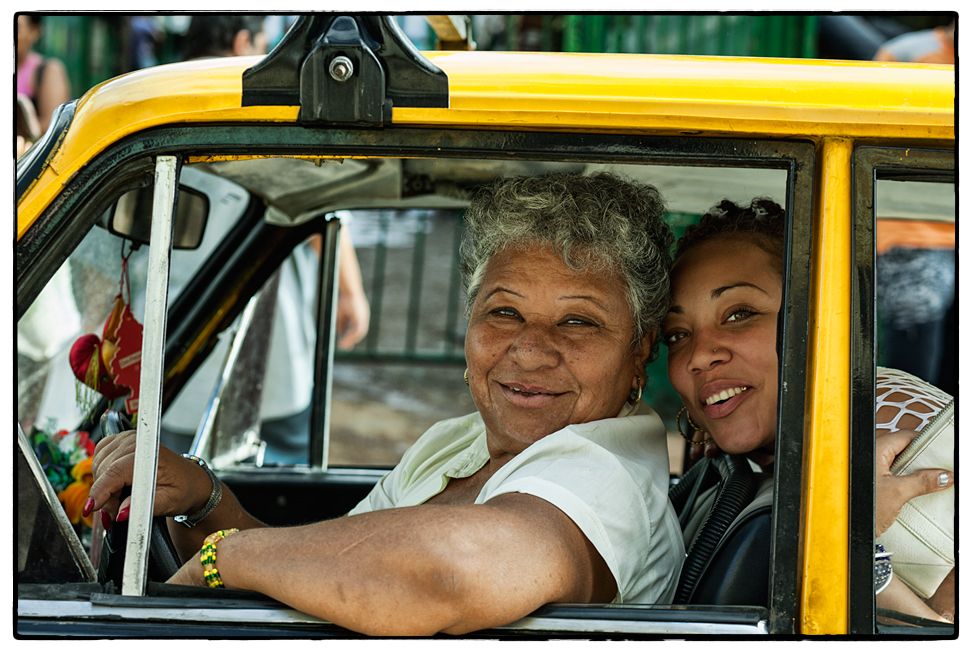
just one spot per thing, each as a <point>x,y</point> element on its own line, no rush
<point>600,221</point>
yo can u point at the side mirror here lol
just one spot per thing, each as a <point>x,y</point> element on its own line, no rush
<point>131,217</point>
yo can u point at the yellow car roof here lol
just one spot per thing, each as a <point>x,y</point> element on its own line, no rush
<point>671,94</point>
<point>620,93</point>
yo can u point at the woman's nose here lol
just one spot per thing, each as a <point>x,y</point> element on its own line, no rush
<point>534,347</point>
<point>707,352</point>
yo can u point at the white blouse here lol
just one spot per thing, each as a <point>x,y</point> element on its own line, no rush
<point>609,476</point>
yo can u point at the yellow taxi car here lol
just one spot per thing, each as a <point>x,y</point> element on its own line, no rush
<point>196,184</point>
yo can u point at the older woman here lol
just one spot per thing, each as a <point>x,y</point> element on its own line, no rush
<point>726,292</point>
<point>554,491</point>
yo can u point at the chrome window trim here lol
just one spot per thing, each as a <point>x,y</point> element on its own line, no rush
<point>612,626</point>
<point>135,574</point>
<point>78,610</point>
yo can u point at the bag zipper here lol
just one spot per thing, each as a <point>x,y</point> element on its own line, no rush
<point>902,459</point>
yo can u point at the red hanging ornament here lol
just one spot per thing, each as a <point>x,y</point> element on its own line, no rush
<point>123,351</point>
<point>111,365</point>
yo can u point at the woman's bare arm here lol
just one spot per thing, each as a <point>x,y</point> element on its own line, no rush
<point>898,596</point>
<point>54,90</point>
<point>419,570</point>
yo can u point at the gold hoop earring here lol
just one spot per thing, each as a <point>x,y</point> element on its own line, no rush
<point>692,424</point>
<point>466,377</point>
<point>631,398</point>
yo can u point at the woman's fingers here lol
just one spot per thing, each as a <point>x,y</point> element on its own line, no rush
<point>894,491</point>
<point>697,450</point>
<point>700,450</point>
<point>925,481</point>
<point>111,447</point>
<point>124,510</point>
<point>112,475</point>
<point>888,446</point>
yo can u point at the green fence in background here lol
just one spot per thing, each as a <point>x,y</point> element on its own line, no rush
<point>91,47</point>
<point>770,35</point>
<point>94,47</point>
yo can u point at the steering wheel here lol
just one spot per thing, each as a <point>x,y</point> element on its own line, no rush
<point>163,560</point>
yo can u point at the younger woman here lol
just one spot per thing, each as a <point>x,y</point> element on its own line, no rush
<point>726,292</point>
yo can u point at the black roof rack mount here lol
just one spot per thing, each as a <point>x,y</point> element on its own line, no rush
<point>345,69</point>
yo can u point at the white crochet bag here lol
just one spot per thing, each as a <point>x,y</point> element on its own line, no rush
<point>922,537</point>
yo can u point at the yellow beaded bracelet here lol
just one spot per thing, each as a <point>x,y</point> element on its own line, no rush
<point>208,557</point>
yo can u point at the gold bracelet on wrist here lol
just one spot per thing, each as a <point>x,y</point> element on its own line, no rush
<point>208,557</point>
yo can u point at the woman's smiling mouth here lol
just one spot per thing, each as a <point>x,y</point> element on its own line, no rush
<point>528,396</point>
<point>724,395</point>
<point>721,403</point>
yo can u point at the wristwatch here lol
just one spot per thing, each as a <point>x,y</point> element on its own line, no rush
<point>214,497</point>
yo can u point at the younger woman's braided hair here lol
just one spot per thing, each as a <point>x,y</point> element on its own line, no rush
<point>762,223</point>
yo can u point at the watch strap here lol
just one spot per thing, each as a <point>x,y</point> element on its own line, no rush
<point>214,497</point>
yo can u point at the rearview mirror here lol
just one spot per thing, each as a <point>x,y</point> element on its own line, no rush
<point>131,217</point>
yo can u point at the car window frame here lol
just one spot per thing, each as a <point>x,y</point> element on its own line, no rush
<point>794,155</point>
<point>870,164</point>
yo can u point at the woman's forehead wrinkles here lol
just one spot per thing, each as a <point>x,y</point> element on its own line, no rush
<point>598,301</point>
<point>501,289</point>
<point>592,299</point>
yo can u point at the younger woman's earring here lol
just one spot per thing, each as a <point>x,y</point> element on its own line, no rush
<point>466,376</point>
<point>692,424</point>
<point>632,398</point>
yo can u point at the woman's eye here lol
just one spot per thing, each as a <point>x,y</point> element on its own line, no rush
<point>670,338</point>
<point>740,315</point>
<point>505,312</point>
<point>573,320</point>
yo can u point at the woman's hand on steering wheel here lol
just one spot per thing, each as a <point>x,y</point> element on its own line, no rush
<point>892,492</point>
<point>180,489</point>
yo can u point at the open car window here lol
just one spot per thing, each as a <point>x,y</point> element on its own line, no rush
<point>406,373</point>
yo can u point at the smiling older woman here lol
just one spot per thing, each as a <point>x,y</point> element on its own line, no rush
<point>554,491</point>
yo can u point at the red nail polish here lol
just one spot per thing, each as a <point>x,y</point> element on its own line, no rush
<point>88,506</point>
<point>123,514</point>
<point>105,520</point>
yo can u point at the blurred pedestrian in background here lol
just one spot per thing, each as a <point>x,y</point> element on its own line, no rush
<point>145,36</point>
<point>224,35</point>
<point>40,80</point>
<point>915,259</point>
<point>933,46</point>
<point>285,410</point>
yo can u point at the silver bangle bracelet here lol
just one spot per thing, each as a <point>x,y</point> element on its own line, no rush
<point>214,497</point>
<point>882,569</point>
